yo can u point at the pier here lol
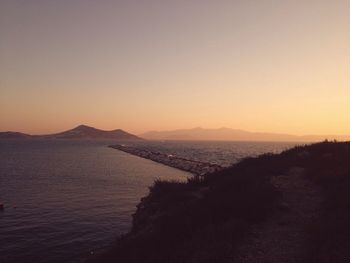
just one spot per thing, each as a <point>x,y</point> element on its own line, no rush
<point>192,166</point>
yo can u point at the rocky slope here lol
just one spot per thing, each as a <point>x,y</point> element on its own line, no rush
<point>288,207</point>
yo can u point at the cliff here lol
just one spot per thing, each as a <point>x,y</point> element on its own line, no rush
<point>288,207</point>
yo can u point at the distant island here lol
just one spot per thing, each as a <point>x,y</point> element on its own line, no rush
<point>228,134</point>
<point>79,132</point>
<point>195,134</point>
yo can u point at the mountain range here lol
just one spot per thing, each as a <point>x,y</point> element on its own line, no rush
<point>221,134</point>
<point>227,134</point>
<point>79,132</point>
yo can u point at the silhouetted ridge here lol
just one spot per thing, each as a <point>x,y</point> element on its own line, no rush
<point>79,132</point>
<point>13,135</point>
<point>227,134</point>
<point>87,132</point>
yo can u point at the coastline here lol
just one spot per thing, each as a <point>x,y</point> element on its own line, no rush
<point>272,207</point>
<point>195,167</point>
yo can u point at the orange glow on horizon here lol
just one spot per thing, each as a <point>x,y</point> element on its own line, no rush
<point>273,67</point>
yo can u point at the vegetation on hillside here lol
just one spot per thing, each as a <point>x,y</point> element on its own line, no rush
<point>206,218</point>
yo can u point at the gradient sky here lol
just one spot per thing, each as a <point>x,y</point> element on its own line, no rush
<point>275,66</point>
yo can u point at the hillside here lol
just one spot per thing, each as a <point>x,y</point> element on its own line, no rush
<point>227,134</point>
<point>14,135</point>
<point>79,132</point>
<point>289,207</point>
<point>87,132</point>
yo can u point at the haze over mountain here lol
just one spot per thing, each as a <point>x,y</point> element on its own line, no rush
<point>79,132</point>
<point>220,134</point>
<point>227,134</point>
<point>14,135</point>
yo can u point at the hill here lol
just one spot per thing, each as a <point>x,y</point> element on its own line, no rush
<point>87,132</point>
<point>227,134</point>
<point>289,207</point>
<point>13,135</point>
<point>79,132</point>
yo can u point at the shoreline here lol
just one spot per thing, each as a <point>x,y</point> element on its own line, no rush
<point>195,167</point>
<point>270,207</point>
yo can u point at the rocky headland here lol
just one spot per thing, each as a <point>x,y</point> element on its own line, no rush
<point>278,208</point>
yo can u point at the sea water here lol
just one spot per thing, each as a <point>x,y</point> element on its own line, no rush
<point>66,199</point>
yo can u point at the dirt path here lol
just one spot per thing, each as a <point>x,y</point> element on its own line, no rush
<point>281,238</point>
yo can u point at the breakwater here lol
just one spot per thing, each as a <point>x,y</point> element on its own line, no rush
<point>192,166</point>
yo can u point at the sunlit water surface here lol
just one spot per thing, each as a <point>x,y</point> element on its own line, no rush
<point>67,199</point>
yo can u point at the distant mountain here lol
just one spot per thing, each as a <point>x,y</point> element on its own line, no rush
<point>87,132</point>
<point>79,132</point>
<point>13,135</point>
<point>227,134</point>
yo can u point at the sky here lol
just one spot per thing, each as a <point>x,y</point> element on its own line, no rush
<point>273,66</point>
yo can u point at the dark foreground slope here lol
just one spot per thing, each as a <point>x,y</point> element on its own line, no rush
<point>213,219</point>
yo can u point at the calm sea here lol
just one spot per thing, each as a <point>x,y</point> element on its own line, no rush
<point>66,199</point>
<point>219,152</point>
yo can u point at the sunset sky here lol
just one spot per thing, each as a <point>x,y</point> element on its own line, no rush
<point>274,66</point>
